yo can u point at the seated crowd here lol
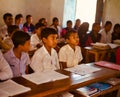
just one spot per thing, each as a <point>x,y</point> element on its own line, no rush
<point>54,47</point>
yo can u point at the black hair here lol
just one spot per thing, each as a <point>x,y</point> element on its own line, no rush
<point>69,21</point>
<point>28,16</point>
<point>68,33</point>
<point>108,23</point>
<point>47,31</point>
<point>41,19</point>
<point>54,19</point>
<point>18,16</point>
<point>12,28</point>
<point>19,38</point>
<point>38,25</point>
<point>7,15</point>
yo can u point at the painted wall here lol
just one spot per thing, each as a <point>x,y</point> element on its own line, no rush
<point>111,11</point>
<point>37,8</point>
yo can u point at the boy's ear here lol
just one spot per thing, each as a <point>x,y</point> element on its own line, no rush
<point>67,40</point>
<point>44,40</point>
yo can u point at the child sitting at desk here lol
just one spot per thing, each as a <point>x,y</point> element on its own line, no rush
<point>17,56</point>
<point>45,58</point>
<point>70,54</point>
<point>5,70</point>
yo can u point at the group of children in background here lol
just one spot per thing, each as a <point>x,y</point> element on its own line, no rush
<point>15,58</point>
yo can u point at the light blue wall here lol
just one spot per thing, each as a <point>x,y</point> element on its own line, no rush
<point>69,11</point>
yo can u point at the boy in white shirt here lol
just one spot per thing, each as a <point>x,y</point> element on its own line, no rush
<point>35,39</point>
<point>70,54</point>
<point>5,70</point>
<point>45,58</point>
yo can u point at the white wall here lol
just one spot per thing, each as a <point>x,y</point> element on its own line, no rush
<point>37,8</point>
<point>111,11</point>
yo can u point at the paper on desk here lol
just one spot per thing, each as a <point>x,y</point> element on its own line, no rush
<point>43,77</point>
<point>11,88</point>
<point>83,69</point>
<point>113,45</point>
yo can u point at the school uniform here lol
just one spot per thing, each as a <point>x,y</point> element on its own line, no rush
<point>34,40</point>
<point>43,61</point>
<point>18,66</point>
<point>5,70</point>
<point>105,37</point>
<point>68,55</point>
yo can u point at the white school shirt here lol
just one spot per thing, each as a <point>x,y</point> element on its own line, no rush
<point>43,61</point>
<point>5,70</point>
<point>105,37</point>
<point>68,55</point>
<point>34,40</point>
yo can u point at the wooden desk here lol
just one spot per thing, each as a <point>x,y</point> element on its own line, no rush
<point>98,54</point>
<point>75,81</point>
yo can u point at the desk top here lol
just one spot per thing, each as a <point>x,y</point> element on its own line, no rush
<point>73,82</point>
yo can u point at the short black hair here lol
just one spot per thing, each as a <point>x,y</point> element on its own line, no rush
<point>28,16</point>
<point>18,16</point>
<point>68,33</point>
<point>108,23</point>
<point>54,19</point>
<point>7,15</point>
<point>12,28</point>
<point>38,25</point>
<point>47,31</point>
<point>41,19</point>
<point>19,38</point>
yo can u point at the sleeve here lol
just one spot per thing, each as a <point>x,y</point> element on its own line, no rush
<point>62,55</point>
<point>5,70</point>
<point>57,62</point>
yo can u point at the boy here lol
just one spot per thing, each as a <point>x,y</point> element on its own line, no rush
<point>45,58</point>
<point>5,70</point>
<point>35,39</point>
<point>70,54</point>
<point>17,57</point>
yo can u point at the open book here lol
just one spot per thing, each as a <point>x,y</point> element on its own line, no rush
<point>11,88</point>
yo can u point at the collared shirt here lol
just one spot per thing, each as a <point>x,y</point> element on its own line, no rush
<point>34,40</point>
<point>5,70</point>
<point>43,61</point>
<point>18,66</point>
<point>68,55</point>
<point>105,37</point>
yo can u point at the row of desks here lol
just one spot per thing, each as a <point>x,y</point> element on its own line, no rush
<point>73,82</point>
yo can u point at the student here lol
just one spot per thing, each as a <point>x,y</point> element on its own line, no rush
<point>45,58</point>
<point>43,21</point>
<point>8,20</point>
<point>68,28</point>
<point>35,39</point>
<point>28,26</point>
<point>18,57</point>
<point>82,32</point>
<point>70,54</point>
<point>94,35</point>
<point>19,21</point>
<point>55,25</point>
<point>77,24</point>
<point>106,36</point>
<point>116,32</point>
<point>5,70</point>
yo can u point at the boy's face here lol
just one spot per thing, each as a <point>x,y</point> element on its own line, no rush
<point>26,46</point>
<point>50,41</point>
<point>73,39</point>
<point>9,20</point>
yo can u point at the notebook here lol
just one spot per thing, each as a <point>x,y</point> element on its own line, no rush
<point>101,85</point>
<point>88,90</point>
<point>108,65</point>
